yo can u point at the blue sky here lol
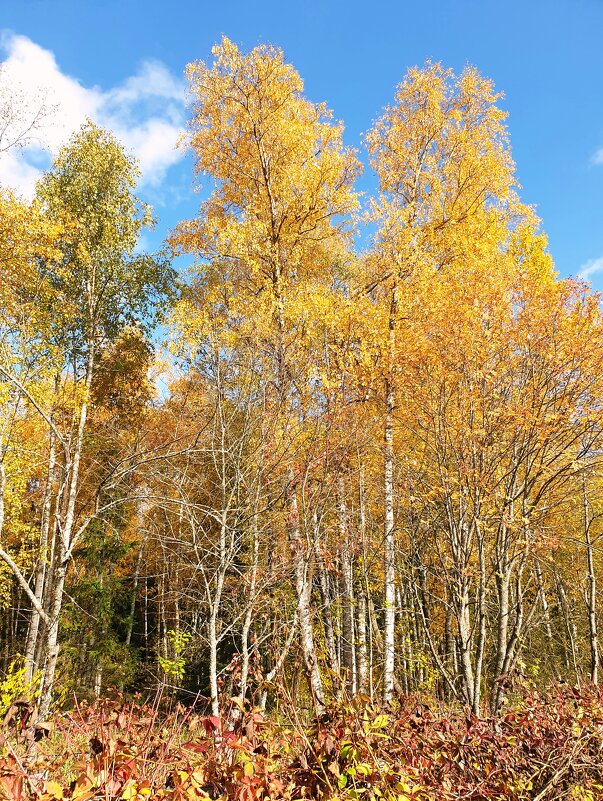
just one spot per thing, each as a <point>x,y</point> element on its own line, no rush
<point>122,61</point>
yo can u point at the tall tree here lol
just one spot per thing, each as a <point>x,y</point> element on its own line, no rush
<point>271,230</point>
<point>98,285</point>
<point>445,181</point>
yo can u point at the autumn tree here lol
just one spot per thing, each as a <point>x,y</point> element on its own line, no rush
<point>272,230</point>
<point>98,284</point>
<point>376,473</point>
<point>445,193</point>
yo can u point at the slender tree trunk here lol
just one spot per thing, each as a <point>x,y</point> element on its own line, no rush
<point>213,622</point>
<point>448,644</point>
<point>362,651</point>
<point>347,593</point>
<point>389,550</point>
<point>548,629</point>
<point>63,554</point>
<point>365,636</point>
<point>303,589</point>
<point>591,592</point>
<point>135,582</point>
<point>213,663</point>
<point>464,626</point>
<point>570,627</point>
<point>502,586</point>
<point>41,564</point>
<point>249,612</point>
<point>481,622</point>
<point>326,600</point>
<point>389,546</point>
<point>270,676</point>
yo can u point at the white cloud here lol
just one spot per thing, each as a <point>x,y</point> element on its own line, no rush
<point>154,80</point>
<point>154,143</point>
<point>18,173</point>
<point>590,267</point>
<point>145,111</point>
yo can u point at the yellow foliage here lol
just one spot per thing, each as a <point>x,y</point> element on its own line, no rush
<point>14,685</point>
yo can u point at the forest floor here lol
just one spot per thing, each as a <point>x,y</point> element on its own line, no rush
<point>543,746</point>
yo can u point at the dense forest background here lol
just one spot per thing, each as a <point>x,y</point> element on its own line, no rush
<point>377,467</point>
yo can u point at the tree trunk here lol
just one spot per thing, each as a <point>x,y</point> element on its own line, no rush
<point>326,600</point>
<point>481,622</point>
<point>249,613</point>
<point>570,627</point>
<point>591,592</point>
<point>389,550</point>
<point>389,547</point>
<point>347,594</point>
<point>547,621</point>
<point>41,564</point>
<point>63,553</point>
<point>362,651</point>
<point>303,589</point>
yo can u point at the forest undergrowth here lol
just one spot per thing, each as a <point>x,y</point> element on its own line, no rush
<point>544,745</point>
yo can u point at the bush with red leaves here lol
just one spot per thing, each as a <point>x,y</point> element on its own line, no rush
<point>547,747</point>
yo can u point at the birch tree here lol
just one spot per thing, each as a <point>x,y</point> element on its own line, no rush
<point>445,173</point>
<point>98,285</point>
<point>272,228</point>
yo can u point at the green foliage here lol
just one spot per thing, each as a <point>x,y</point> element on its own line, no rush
<point>174,667</point>
<point>101,283</point>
